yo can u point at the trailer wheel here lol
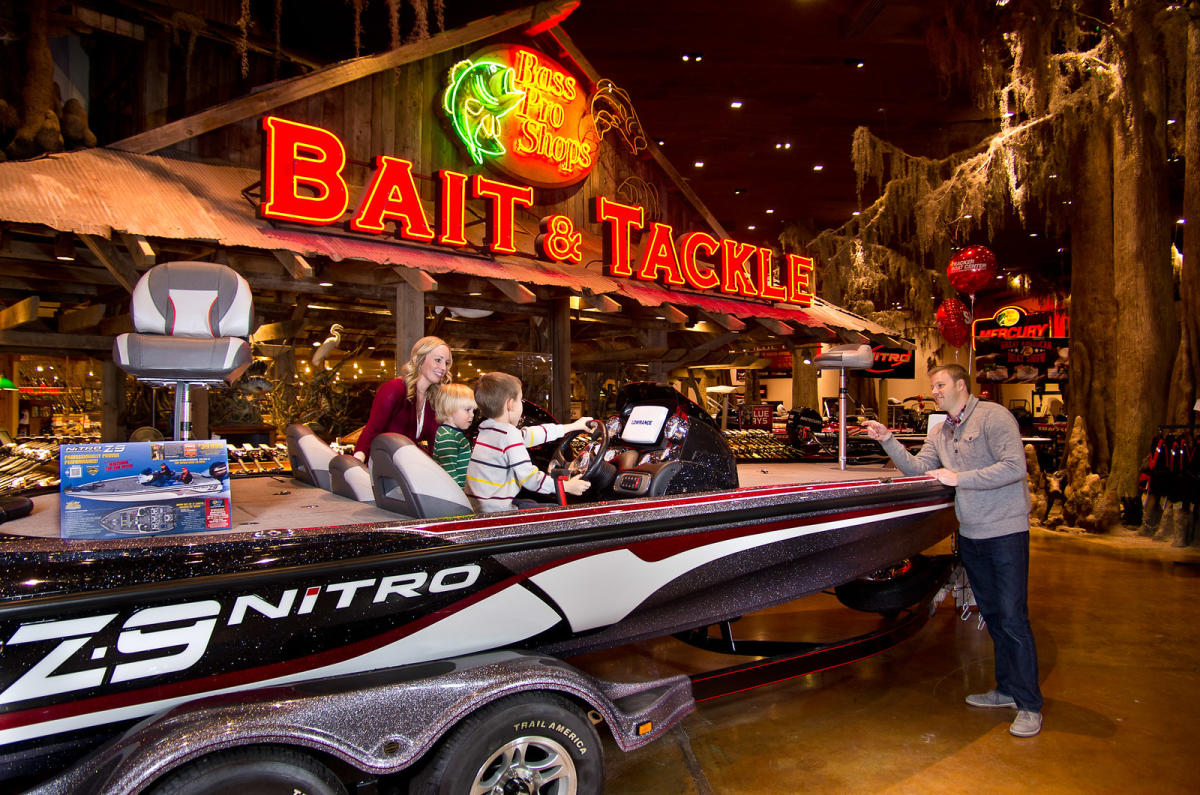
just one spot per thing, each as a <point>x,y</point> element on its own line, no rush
<point>253,770</point>
<point>890,590</point>
<point>521,745</point>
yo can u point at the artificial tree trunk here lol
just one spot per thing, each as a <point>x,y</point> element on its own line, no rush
<point>1147,334</point>
<point>39,131</point>
<point>1091,385</point>
<point>1186,380</point>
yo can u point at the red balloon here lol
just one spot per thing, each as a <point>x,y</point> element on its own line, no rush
<point>954,322</point>
<point>971,269</point>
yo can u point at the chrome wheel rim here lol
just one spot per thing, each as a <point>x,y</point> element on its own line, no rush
<point>527,766</point>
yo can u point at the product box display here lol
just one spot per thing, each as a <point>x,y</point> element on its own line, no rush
<point>119,489</point>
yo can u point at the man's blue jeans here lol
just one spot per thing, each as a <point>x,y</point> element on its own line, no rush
<point>998,569</point>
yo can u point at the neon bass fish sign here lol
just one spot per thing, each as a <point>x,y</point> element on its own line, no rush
<point>522,113</point>
<point>303,182</point>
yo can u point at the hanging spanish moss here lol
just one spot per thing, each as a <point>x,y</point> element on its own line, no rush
<point>394,7</point>
<point>278,37</point>
<point>439,14</point>
<point>421,24</point>
<point>243,25</point>
<point>358,6</point>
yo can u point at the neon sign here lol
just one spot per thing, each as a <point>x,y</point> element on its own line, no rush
<point>303,182</point>
<point>521,112</point>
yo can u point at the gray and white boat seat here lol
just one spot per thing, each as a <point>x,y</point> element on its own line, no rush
<point>407,481</point>
<point>191,321</point>
<point>845,357</point>
<point>316,463</point>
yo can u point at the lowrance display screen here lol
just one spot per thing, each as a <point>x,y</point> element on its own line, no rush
<point>644,424</point>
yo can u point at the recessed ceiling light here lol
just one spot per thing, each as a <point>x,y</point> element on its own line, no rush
<point>770,211</point>
<point>1181,221</point>
<point>325,284</point>
<point>968,215</point>
<point>1171,121</point>
<point>699,164</point>
<point>818,167</point>
<point>856,212</point>
<point>1033,234</point>
<point>737,103</point>
<point>738,191</point>
<point>686,57</point>
<point>860,65</point>
<point>752,227</point>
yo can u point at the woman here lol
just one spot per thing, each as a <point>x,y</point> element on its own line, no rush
<point>405,404</point>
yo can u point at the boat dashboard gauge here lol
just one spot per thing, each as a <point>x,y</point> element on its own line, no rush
<point>613,425</point>
<point>667,453</point>
<point>676,428</point>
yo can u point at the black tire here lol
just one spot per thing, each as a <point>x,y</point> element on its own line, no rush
<point>541,733</point>
<point>891,595</point>
<point>254,770</point>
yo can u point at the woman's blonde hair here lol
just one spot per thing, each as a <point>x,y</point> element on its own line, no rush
<point>412,368</point>
<point>450,398</point>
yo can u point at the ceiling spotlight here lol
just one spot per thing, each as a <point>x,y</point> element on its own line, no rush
<point>64,247</point>
<point>818,167</point>
<point>687,57</point>
<point>860,65</point>
<point>1181,221</point>
<point>1171,121</point>
<point>738,191</point>
<point>752,227</point>
<point>737,103</point>
<point>1033,234</point>
<point>856,213</point>
<point>325,284</point>
<point>699,164</point>
<point>968,216</point>
<point>660,142</point>
<point>770,211</point>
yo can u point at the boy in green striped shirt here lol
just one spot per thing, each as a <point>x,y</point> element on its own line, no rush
<point>455,408</point>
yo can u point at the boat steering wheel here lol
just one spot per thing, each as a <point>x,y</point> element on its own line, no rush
<point>587,463</point>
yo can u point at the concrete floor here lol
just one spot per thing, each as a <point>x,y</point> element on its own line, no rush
<point>1116,624</point>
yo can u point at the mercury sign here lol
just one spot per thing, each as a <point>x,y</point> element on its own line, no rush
<point>519,111</point>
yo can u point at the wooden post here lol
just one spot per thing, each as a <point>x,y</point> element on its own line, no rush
<point>113,396</point>
<point>804,380</point>
<point>657,371</point>
<point>560,349</point>
<point>199,398</point>
<point>9,399</point>
<point>410,321</point>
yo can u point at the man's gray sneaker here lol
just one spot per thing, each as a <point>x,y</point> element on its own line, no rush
<point>992,698</point>
<point>1026,724</point>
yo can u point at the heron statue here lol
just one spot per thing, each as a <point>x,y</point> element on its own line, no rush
<point>327,347</point>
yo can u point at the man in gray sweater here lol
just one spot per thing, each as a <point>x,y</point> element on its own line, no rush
<point>978,450</point>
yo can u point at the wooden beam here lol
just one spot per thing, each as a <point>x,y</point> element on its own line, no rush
<point>775,326</point>
<point>517,293</point>
<point>20,313</point>
<point>624,355</point>
<point>723,320</point>
<point>276,331</point>
<point>600,302</point>
<point>112,260</point>
<point>417,278</point>
<point>672,314</point>
<point>63,342</point>
<point>79,319</point>
<point>139,249</point>
<point>336,75</point>
<point>294,264</point>
<point>119,324</point>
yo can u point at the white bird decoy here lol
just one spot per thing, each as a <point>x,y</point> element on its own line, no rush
<point>327,347</point>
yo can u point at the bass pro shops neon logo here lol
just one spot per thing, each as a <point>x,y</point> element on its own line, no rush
<point>181,633</point>
<point>521,112</point>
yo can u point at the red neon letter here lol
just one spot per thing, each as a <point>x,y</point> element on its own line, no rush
<point>623,218</point>
<point>735,270</point>
<point>767,287</point>
<point>501,210</point>
<point>296,155</point>
<point>659,255</point>
<point>451,208</point>
<point>392,195</point>
<point>688,244</point>
<point>801,285</point>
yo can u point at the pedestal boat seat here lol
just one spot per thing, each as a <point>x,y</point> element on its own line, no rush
<point>350,477</point>
<point>408,481</point>
<point>191,321</point>
<point>844,357</point>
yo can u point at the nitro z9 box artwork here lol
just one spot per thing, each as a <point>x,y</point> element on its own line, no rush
<point>119,489</point>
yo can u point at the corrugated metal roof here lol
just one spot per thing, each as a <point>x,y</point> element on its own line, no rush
<point>98,191</point>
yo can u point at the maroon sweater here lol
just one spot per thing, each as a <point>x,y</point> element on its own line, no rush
<point>393,412</point>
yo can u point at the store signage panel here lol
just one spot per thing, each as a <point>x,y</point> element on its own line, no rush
<point>892,363</point>
<point>521,112</point>
<point>1015,346</point>
<point>303,182</point>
